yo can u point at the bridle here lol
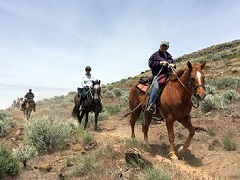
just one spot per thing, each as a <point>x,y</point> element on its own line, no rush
<point>193,89</point>
<point>91,101</point>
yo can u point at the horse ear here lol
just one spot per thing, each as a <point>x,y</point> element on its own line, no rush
<point>93,82</point>
<point>189,65</point>
<point>203,64</point>
<point>99,82</point>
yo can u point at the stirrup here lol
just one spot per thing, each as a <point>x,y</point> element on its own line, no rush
<point>150,108</point>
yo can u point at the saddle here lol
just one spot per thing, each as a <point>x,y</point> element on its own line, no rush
<point>144,85</point>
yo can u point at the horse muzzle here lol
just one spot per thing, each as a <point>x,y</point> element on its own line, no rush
<point>200,97</point>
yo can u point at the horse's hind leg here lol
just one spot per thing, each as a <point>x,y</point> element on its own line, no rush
<point>187,124</point>
<point>145,127</point>
<point>133,118</point>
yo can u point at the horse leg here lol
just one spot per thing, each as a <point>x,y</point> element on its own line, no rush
<point>169,124</point>
<point>96,120</point>
<point>80,117</point>
<point>133,117</point>
<point>86,120</point>
<point>187,124</point>
<point>145,128</point>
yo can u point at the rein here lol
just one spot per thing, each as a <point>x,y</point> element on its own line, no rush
<point>193,97</point>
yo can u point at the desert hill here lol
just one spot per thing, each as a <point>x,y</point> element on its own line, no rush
<point>66,151</point>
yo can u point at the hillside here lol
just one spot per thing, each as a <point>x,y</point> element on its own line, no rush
<point>213,154</point>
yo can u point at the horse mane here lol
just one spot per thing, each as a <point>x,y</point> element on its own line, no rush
<point>177,74</point>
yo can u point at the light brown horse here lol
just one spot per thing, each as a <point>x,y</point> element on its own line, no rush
<point>175,104</point>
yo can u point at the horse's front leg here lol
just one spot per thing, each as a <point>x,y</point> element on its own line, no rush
<point>96,121</point>
<point>80,117</point>
<point>187,124</point>
<point>86,120</point>
<point>169,124</point>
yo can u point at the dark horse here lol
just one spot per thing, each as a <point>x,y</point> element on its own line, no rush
<point>92,103</point>
<point>30,105</point>
<point>175,104</point>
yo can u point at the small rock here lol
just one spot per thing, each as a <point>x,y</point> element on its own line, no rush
<point>135,159</point>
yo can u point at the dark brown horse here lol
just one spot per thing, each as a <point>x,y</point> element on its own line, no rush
<point>175,104</point>
<point>29,107</point>
<point>91,104</point>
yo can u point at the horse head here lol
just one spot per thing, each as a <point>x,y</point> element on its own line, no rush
<point>96,91</point>
<point>196,80</point>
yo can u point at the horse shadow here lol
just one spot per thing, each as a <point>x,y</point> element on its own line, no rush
<point>188,157</point>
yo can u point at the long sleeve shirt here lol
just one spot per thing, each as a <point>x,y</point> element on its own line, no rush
<point>87,80</point>
<point>154,62</point>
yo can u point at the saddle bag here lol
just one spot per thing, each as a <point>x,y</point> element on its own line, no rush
<point>161,80</point>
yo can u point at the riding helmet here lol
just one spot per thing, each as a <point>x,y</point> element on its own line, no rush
<point>88,68</point>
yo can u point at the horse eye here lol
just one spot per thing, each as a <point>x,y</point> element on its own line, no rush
<point>192,79</point>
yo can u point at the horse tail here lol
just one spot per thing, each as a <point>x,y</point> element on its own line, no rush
<point>74,111</point>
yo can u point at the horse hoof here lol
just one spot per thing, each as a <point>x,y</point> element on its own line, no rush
<point>181,149</point>
<point>148,147</point>
<point>174,158</point>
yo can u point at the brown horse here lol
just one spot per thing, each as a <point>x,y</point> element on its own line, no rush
<point>175,102</point>
<point>91,104</point>
<point>29,107</point>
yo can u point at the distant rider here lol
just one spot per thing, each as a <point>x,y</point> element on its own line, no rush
<point>86,84</point>
<point>28,97</point>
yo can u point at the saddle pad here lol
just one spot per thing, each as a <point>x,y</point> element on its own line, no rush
<point>143,87</point>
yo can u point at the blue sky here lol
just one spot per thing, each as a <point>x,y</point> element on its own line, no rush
<point>45,45</point>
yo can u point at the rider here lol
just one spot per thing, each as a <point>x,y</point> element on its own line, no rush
<point>87,82</point>
<point>159,60</point>
<point>29,96</point>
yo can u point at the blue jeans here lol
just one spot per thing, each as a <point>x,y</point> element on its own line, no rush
<point>154,91</point>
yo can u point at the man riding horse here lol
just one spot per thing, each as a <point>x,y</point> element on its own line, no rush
<point>28,97</point>
<point>160,63</point>
<point>86,84</point>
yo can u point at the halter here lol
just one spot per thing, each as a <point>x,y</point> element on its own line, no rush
<point>93,104</point>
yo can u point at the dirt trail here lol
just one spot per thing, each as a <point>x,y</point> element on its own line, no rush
<point>198,161</point>
<point>203,159</point>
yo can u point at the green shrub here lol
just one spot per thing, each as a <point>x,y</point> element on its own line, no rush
<point>112,109</point>
<point>110,94</point>
<point>157,174</point>
<point>46,134</point>
<point>210,89</point>
<point>124,99</point>
<point>8,164</point>
<point>6,123</point>
<point>83,136</point>
<point>207,103</point>
<point>216,57</point>
<point>117,91</point>
<point>228,82</point>
<point>231,95</point>
<point>25,153</point>
<point>228,144</point>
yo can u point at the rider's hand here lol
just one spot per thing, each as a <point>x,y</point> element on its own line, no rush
<point>163,63</point>
<point>171,65</point>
